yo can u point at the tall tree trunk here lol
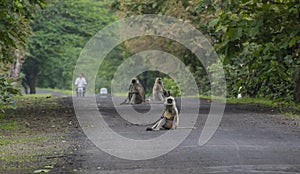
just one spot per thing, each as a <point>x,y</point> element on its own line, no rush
<point>297,87</point>
<point>15,68</point>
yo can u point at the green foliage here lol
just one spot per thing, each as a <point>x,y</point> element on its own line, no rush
<point>61,30</point>
<point>7,91</point>
<point>108,68</point>
<point>171,85</point>
<point>260,41</point>
<point>15,16</point>
<point>257,41</point>
<point>9,126</point>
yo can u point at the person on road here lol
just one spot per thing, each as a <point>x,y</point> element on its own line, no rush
<point>80,82</point>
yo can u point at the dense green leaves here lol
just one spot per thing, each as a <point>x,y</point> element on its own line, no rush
<point>257,41</point>
<point>7,91</point>
<point>61,30</point>
<point>260,40</point>
<point>15,16</point>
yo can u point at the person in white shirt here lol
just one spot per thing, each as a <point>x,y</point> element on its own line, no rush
<point>80,83</point>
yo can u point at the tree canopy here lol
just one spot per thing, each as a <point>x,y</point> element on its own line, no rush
<point>257,41</point>
<point>15,17</point>
<point>61,30</point>
<point>260,41</point>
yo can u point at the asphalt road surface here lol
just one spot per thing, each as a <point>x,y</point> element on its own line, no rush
<point>249,139</point>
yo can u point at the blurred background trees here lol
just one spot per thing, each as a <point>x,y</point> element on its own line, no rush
<point>61,30</point>
<point>257,42</point>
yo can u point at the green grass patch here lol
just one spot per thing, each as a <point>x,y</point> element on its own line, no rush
<point>248,100</point>
<point>290,109</point>
<point>64,91</point>
<point>121,94</point>
<point>285,107</point>
<point>22,151</point>
<point>7,141</point>
<point>32,96</point>
<point>34,100</point>
<point>293,115</point>
<point>8,125</point>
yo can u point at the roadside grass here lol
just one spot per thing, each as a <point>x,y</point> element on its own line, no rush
<point>20,148</point>
<point>28,100</point>
<point>65,91</point>
<point>248,100</point>
<point>290,109</point>
<point>121,94</point>
<point>26,134</point>
<point>9,125</point>
<point>6,140</point>
<point>34,100</point>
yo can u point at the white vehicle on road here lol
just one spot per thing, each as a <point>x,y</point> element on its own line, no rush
<point>103,92</point>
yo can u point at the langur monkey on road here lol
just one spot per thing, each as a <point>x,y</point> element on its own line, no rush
<point>136,94</point>
<point>158,91</point>
<point>169,119</point>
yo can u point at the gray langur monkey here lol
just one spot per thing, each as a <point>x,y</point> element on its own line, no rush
<point>136,94</point>
<point>158,90</point>
<point>169,119</point>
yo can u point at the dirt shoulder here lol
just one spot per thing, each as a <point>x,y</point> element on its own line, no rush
<point>36,136</point>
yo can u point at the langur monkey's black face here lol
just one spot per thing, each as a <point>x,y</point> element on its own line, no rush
<point>169,101</point>
<point>159,80</point>
<point>133,81</point>
<point>170,104</point>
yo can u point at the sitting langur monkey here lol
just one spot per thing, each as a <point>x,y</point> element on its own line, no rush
<point>169,119</point>
<point>158,91</point>
<point>136,94</point>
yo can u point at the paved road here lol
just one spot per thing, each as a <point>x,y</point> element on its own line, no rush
<point>250,139</point>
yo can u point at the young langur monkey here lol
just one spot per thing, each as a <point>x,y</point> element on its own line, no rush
<point>169,119</point>
<point>158,91</point>
<point>136,94</point>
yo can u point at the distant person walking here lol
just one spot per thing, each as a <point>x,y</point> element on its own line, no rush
<point>80,83</point>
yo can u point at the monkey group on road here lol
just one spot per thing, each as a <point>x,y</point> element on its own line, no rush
<point>169,118</point>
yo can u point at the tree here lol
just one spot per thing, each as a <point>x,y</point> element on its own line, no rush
<point>15,16</point>
<point>257,41</point>
<point>260,40</point>
<point>60,32</point>
<point>186,11</point>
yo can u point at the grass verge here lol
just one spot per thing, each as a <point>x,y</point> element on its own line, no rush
<point>290,109</point>
<point>35,134</point>
<point>64,91</point>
